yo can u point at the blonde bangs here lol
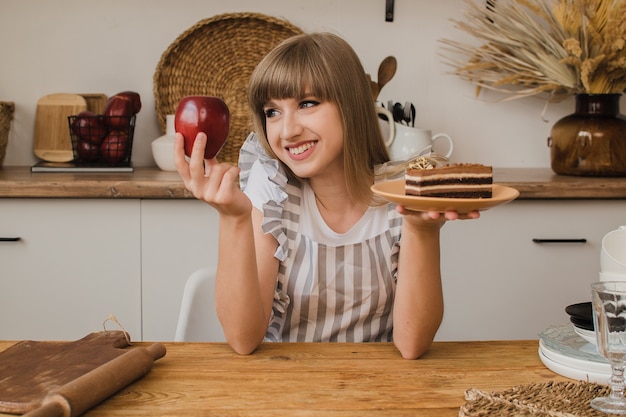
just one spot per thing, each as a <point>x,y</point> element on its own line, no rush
<point>294,71</point>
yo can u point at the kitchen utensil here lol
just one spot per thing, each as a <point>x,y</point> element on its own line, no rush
<point>48,376</point>
<point>398,112</point>
<point>409,114</point>
<point>386,71</point>
<point>609,319</point>
<point>373,86</point>
<point>52,141</point>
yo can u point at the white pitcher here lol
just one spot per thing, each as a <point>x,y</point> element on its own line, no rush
<point>405,141</point>
<point>613,254</point>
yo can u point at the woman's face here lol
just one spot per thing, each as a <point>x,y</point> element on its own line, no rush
<point>306,134</point>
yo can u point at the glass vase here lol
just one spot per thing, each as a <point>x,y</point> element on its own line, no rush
<point>591,141</point>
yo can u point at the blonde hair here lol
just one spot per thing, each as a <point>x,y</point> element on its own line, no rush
<point>327,67</point>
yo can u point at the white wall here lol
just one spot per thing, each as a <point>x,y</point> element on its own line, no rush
<point>92,46</point>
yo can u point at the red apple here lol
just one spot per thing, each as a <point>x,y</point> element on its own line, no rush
<point>118,111</point>
<point>114,147</point>
<point>87,151</point>
<point>203,114</point>
<point>88,126</point>
<point>134,98</point>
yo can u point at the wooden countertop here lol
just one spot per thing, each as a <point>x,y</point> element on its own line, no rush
<point>152,183</point>
<point>324,379</point>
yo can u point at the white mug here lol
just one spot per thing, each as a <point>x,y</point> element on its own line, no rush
<point>404,142</point>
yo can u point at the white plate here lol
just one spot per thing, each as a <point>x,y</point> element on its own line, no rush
<point>577,363</point>
<point>568,348</point>
<point>588,335</point>
<point>573,373</point>
<point>394,191</point>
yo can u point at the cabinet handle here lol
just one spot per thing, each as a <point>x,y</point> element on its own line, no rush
<point>560,240</point>
<point>10,239</point>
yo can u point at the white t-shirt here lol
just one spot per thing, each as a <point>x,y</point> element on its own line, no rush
<point>330,286</point>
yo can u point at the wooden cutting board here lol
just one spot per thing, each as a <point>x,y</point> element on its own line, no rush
<point>95,102</point>
<point>52,376</point>
<point>52,141</point>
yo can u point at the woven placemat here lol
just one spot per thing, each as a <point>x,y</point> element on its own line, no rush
<point>553,399</point>
<point>216,57</point>
<point>6,115</point>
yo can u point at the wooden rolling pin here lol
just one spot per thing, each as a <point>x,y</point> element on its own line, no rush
<point>76,397</point>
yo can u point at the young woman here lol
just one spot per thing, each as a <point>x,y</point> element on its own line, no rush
<point>306,252</point>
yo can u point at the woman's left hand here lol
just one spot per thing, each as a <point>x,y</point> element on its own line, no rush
<point>423,218</point>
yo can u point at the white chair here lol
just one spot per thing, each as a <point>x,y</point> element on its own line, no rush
<point>197,320</point>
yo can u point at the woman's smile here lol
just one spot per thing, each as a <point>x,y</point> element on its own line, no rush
<point>299,151</point>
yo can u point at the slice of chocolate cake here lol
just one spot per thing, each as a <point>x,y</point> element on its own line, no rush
<point>449,181</point>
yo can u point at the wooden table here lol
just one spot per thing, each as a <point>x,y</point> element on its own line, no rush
<point>323,379</point>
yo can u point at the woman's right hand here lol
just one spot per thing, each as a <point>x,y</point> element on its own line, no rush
<point>209,180</point>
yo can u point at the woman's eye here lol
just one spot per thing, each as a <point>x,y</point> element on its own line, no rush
<point>269,113</point>
<point>308,103</point>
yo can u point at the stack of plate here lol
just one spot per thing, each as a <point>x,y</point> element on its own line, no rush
<point>581,316</point>
<point>569,351</point>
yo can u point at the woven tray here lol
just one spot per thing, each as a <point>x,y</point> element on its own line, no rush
<point>551,399</point>
<point>6,115</point>
<point>216,57</point>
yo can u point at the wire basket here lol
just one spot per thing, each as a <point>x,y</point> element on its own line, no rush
<point>105,141</point>
<point>216,57</point>
<point>6,115</point>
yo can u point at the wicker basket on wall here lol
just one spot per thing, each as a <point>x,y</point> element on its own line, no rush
<point>216,57</point>
<point>6,115</point>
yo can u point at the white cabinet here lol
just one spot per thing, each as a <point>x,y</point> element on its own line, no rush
<point>77,261</point>
<point>178,237</point>
<point>499,284</point>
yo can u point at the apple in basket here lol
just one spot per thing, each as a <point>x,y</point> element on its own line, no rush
<point>89,127</point>
<point>120,108</point>
<point>206,114</point>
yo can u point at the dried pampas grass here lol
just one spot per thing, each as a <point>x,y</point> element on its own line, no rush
<point>531,47</point>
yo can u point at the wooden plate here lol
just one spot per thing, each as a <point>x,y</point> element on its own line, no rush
<point>394,191</point>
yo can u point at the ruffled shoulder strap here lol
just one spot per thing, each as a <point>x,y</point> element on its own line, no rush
<point>252,153</point>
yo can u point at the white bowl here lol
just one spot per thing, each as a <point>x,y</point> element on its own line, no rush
<point>163,153</point>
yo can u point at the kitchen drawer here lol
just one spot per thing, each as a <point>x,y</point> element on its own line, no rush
<point>500,284</point>
<point>76,262</point>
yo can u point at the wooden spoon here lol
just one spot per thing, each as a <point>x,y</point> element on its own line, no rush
<point>373,86</point>
<point>386,71</point>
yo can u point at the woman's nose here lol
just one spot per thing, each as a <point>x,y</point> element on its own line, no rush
<point>291,126</point>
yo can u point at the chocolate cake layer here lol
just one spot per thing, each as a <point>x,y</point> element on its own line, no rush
<point>452,181</point>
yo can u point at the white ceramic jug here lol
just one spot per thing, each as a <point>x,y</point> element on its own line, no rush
<point>404,141</point>
<point>390,132</point>
<point>613,253</point>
